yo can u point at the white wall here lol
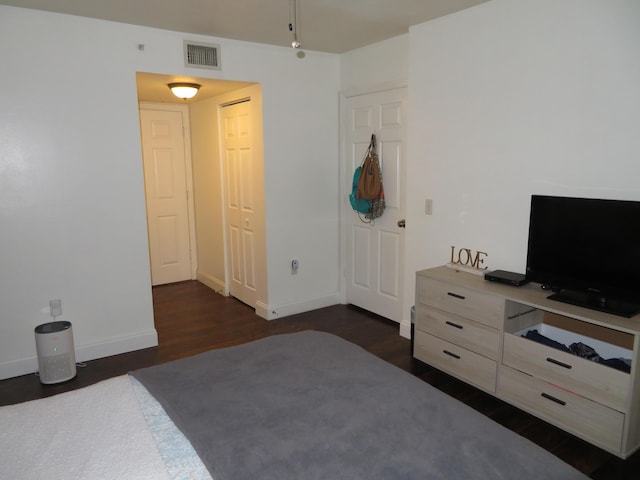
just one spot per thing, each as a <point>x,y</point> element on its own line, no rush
<point>300,104</point>
<point>71,189</point>
<point>380,64</point>
<point>505,99</point>
<point>207,187</point>
<point>513,98</point>
<point>508,99</point>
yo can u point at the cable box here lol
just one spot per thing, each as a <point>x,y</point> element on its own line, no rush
<point>509,278</point>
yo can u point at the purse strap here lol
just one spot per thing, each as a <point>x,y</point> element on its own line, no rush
<point>372,144</point>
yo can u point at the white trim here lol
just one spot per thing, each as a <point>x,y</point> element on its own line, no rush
<point>223,193</point>
<point>85,353</point>
<point>405,329</point>
<point>272,312</point>
<point>117,346</point>
<point>262,310</point>
<point>215,284</point>
<point>16,368</point>
<point>344,185</point>
<point>381,87</point>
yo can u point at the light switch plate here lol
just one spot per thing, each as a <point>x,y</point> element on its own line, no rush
<point>428,207</point>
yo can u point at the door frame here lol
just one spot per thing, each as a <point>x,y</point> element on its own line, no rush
<point>186,135</point>
<point>345,206</point>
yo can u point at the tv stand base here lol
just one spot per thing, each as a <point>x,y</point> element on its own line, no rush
<point>596,302</point>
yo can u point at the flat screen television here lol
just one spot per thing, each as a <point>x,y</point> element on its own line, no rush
<point>587,251</point>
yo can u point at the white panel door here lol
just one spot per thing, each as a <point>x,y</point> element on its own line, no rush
<point>163,154</point>
<point>240,207</point>
<point>375,253</point>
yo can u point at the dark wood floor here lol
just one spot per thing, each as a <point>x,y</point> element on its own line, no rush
<point>190,319</point>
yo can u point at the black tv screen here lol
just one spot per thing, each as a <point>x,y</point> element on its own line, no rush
<point>587,251</point>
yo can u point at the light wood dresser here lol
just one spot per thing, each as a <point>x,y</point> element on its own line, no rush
<point>473,329</point>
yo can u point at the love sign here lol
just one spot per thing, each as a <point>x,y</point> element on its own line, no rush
<point>467,258</point>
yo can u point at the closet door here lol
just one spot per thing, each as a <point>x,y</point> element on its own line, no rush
<point>240,201</point>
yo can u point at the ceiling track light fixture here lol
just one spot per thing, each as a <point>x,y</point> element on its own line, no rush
<point>184,90</point>
<point>293,23</point>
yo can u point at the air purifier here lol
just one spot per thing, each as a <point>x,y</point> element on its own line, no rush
<point>56,355</point>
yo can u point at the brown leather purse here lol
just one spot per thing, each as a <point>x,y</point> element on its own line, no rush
<point>370,181</point>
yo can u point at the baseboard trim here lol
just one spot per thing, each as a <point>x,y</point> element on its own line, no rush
<point>85,353</point>
<point>212,282</point>
<point>17,368</point>
<point>117,346</point>
<point>271,312</point>
<point>405,329</point>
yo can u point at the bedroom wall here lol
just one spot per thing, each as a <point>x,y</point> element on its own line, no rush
<point>71,189</point>
<point>380,64</point>
<point>511,98</point>
<point>207,193</point>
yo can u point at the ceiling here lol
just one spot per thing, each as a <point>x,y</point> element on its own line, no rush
<point>334,26</point>
<point>153,87</point>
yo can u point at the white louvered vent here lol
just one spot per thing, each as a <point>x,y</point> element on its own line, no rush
<point>201,55</point>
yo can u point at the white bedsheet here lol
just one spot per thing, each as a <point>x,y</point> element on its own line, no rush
<point>98,432</point>
<point>180,458</point>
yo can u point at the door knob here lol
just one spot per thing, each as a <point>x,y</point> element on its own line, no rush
<point>402,223</point>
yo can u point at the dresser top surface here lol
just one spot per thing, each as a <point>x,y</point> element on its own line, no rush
<point>530,294</point>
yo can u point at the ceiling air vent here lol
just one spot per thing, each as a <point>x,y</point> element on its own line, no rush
<point>201,55</point>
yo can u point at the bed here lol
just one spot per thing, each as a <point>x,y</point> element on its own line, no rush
<point>302,406</point>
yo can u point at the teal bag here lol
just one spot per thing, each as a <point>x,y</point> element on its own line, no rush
<point>358,204</point>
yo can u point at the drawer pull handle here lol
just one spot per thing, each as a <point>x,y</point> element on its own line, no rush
<point>553,399</point>
<point>455,325</point>
<point>455,295</point>
<point>556,362</point>
<point>451,354</point>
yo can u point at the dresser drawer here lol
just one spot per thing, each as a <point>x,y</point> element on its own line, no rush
<point>598,382</point>
<point>471,335</point>
<point>470,367</point>
<point>479,306</point>
<point>596,423</point>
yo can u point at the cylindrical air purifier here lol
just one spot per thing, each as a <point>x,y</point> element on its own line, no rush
<point>56,355</point>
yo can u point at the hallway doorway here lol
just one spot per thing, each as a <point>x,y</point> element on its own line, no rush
<point>209,188</point>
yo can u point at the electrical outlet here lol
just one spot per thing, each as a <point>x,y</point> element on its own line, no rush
<point>294,266</point>
<point>55,306</point>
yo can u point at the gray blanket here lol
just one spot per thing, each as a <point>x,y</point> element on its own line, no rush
<point>310,405</point>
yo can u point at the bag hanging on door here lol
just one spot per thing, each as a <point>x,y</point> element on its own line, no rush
<point>377,207</point>
<point>370,181</point>
<point>359,205</point>
<point>371,185</point>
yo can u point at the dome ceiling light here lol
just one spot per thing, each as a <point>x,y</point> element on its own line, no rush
<point>184,90</point>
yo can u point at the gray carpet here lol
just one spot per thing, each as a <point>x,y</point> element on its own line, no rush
<point>311,405</point>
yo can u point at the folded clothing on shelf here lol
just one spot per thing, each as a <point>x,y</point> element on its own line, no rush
<point>581,350</point>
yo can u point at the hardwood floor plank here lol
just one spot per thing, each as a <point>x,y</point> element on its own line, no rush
<point>190,319</point>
